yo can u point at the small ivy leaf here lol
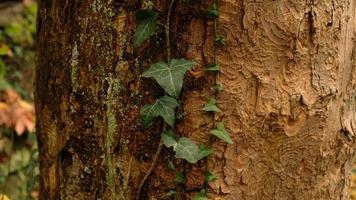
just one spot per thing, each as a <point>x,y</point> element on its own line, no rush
<point>171,193</point>
<point>170,77</point>
<point>219,87</point>
<point>146,25</point>
<point>202,146</point>
<point>168,139</point>
<point>163,107</point>
<point>180,178</point>
<point>186,149</point>
<point>212,67</point>
<point>213,12</point>
<point>147,115</point>
<point>211,106</point>
<point>221,133</point>
<point>219,39</point>
<point>209,177</point>
<point>204,152</point>
<point>200,195</point>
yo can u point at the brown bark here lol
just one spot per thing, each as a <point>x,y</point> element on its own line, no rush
<point>77,91</point>
<point>289,100</point>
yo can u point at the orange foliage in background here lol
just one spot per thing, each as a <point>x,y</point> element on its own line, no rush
<point>16,113</point>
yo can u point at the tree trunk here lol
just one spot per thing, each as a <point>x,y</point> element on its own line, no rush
<point>288,70</point>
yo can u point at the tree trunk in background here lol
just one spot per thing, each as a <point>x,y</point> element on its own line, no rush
<point>288,70</point>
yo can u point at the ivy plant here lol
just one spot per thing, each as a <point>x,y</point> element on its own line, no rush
<point>211,106</point>
<point>184,147</point>
<point>146,21</point>
<point>204,151</point>
<point>201,195</point>
<point>221,133</point>
<point>170,76</point>
<point>213,12</point>
<point>171,193</point>
<point>214,67</point>
<point>209,177</point>
<point>219,87</point>
<point>163,107</point>
<point>180,178</point>
<point>220,40</point>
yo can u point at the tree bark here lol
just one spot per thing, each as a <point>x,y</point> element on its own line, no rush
<point>288,70</point>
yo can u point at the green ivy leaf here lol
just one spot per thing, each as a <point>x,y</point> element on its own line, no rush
<point>219,87</point>
<point>213,12</point>
<point>146,25</point>
<point>212,67</point>
<point>220,40</point>
<point>211,106</point>
<point>180,178</point>
<point>171,193</point>
<point>204,152</point>
<point>186,149</point>
<point>170,77</point>
<point>221,133</point>
<point>147,115</point>
<point>163,107</point>
<point>209,177</point>
<point>169,139</point>
<point>200,195</point>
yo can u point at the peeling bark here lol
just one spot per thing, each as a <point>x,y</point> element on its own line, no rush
<point>288,69</point>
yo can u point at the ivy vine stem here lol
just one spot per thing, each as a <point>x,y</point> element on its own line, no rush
<point>216,21</point>
<point>164,126</point>
<point>152,167</point>
<point>216,80</point>
<point>216,75</point>
<point>168,24</point>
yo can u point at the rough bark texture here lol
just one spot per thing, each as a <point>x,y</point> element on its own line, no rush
<point>289,103</point>
<point>78,98</point>
<point>288,70</point>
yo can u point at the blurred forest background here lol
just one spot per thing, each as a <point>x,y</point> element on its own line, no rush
<point>18,148</point>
